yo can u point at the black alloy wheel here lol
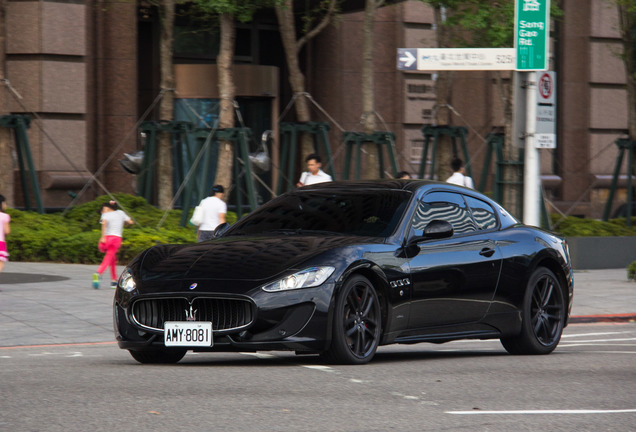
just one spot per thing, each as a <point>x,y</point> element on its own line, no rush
<point>543,316</point>
<point>357,323</point>
<point>158,356</point>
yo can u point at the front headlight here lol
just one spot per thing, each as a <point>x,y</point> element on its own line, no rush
<point>307,278</point>
<point>126,281</point>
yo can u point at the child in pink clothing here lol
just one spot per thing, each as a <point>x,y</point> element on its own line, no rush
<point>113,222</point>
<point>4,230</point>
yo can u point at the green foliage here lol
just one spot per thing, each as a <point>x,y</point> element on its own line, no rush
<point>242,10</point>
<point>631,271</point>
<point>576,227</point>
<point>32,234</point>
<point>483,23</point>
<point>73,237</point>
<point>80,248</point>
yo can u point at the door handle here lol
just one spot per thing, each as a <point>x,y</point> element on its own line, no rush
<point>487,252</point>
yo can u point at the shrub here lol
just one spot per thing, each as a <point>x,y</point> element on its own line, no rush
<point>32,234</point>
<point>576,227</point>
<point>631,271</point>
<point>72,237</point>
<point>79,248</point>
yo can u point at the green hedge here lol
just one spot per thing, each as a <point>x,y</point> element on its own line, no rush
<point>577,227</point>
<point>73,237</point>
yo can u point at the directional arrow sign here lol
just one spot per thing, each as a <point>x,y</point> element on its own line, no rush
<point>407,59</point>
<point>435,59</point>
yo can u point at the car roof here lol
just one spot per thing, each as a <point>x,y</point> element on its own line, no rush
<point>395,184</point>
<point>410,185</point>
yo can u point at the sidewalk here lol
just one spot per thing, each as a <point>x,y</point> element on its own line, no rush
<point>49,303</point>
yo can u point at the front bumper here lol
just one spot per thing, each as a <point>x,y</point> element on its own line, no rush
<point>297,320</point>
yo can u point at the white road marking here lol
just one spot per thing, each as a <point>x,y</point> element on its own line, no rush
<point>523,412</point>
<point>259,355</point>
<point>415,398</point>
<point>320,368</point>
<point>43,353</point>
<point>594,334</point>
<point>605,340</point>
<point>570,345</point>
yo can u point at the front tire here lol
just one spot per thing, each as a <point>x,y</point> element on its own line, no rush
<point>357,323</point>
<point>543,316</point>
<point>158,357</point>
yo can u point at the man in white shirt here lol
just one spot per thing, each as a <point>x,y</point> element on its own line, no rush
<point>458,177</point>
<point>214,210</point>
<point>313,174</point>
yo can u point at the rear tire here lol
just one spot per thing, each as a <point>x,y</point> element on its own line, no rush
<point>158,357</point>
<point>357,323</point>
<point>543,316</point>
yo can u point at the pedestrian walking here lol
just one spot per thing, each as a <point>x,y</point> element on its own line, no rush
<point>459,177</point>
<point>5,219</point>
<point>213,210</point>
<point>313,174</point>
<point>113,221</point>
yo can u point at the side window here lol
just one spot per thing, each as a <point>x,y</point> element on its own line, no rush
<point>446,206</point>
<point>483,213</point>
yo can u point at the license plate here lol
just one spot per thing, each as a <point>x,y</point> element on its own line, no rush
<point>187,333</point>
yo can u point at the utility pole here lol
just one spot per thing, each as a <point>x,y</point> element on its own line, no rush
<point>532,36</point>
<point>532,164</point>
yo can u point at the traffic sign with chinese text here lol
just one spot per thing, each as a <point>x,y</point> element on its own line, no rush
<point>532,34</point>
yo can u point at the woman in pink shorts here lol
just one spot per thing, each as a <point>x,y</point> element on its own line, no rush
<point>4,230</point>
<point>113,222</point>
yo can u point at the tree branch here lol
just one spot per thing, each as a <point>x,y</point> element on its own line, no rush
<point>331,11</point>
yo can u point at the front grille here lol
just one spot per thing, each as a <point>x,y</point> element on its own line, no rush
<point>225,314</point>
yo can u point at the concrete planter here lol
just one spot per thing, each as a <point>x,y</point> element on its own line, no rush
<point>602,252</point>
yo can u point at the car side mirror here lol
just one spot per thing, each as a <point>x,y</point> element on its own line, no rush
<point>220,230</point>
<point>437,229</point>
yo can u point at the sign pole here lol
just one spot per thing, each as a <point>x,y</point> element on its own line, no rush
<point>532,165</point>
<point>532,35</point>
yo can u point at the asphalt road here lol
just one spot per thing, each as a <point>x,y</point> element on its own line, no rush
<point>587,384</point>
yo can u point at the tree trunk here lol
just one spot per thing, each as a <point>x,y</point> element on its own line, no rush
<point>368,115</point>
<point>442,113</point>
<point>227,91</point>
<point>287,28</point>
<point>6,161</point>
<point>370,154</point>
<point>166,108</point>
<point>512,174</point>
<point>285,15</point>
<point>293,46</point>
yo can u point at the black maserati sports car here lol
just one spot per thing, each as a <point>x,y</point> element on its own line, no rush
<point>340,268</point>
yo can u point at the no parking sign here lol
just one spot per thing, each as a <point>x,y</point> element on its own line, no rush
<point>545,135</point>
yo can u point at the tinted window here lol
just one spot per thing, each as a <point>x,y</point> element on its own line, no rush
<point>483,213</point>
<point>446,206</point>
<point>364,213</point>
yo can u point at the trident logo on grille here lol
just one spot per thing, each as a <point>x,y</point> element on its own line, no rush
<point>191,315</point>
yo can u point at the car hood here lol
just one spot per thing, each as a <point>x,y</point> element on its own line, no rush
<point>240,258</point>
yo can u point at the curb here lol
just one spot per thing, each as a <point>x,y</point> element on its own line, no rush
<point>602,318</point>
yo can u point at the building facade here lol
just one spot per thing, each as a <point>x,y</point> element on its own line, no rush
<point>87,73</point>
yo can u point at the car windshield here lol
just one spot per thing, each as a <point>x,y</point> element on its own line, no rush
<point>373,213</point>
